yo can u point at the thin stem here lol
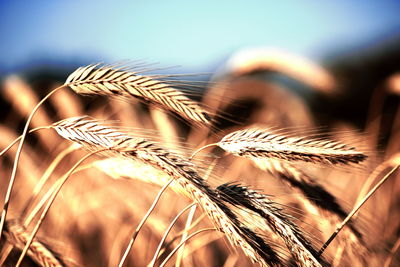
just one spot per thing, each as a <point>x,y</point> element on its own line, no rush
<point>201,148</point>
<point>5,251</point>
<point>45,177</point>
<point>19,138</point>
<point>355,210</point>
<point>14,170</point>
<point>142,222</point>
<point>179,235</point>
<point>183,242</point>
<point>43,200</point>
<point>50,202</point>
<point>153,261</point>
<point>185,234</point>
<point>389,259</point>
<point>191,216</point>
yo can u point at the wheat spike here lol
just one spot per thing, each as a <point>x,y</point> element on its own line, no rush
<point>119,82</point>
<point>280,223</point>
<point>87,132</point>
<point>92,135</point>
<point>17,235</point>
<point>260,143</point>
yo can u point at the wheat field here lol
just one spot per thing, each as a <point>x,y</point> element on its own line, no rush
<point>118,166</point>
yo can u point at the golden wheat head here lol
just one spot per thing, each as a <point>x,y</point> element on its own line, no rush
<point>98,79</point>
<point>261,143</point>
<point>17,235</point>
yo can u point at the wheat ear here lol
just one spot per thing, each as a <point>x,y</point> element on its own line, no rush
<point>119,82</point>
<point>261,143</point>
<point>280,223</point>
<point>92,135</point>
<point>17,235</point>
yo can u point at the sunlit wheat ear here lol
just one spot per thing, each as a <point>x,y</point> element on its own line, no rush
<point>279,222</point>
<point>261,143</point>
<point>88,132</point>
<point>119,82</point>
<point>94,136</point>
<point>17,235</point>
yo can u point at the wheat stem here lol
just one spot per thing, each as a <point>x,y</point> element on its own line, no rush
<point>50,202</point>
<point>389,259</point>
<point>19,138</point>
<point>201,148</point>
<point>180,234</point>
<point>355,210</point>
<point>15,166</point>
<point>5,251</point>
<point>190,217</point>
<point>45,177</point>
<point>153,261</point>
<point>183,242</point>
<point>121,263</point>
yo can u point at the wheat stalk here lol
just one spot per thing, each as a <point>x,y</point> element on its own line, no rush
<point>92,135</point>
<point>54,194</point>
<point>357,208</point>
<point>155,257</point>
<point>7,198</point>
<point>17,235</point>
<point>119,82</point>
<point>142,222</point>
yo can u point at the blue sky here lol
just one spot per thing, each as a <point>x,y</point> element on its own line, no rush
<point>187,33</point>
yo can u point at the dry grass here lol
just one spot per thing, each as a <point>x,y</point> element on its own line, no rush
<point>93,217</point>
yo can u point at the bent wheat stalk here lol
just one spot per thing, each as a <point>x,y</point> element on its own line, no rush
<point>19,138</point>
<point>142,222</point>
<point>154,259</point>
<point>92,135</point>
<point>50,202</point>
<point>17,156</point>
<point>183,242</point>
<point>191,216</point>
<point>356,209</point>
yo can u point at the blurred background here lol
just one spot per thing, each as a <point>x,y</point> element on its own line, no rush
<point>308,64</point>
<point>357,39</point>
